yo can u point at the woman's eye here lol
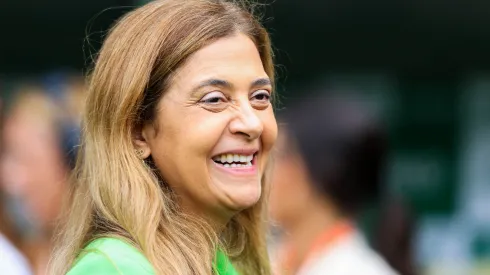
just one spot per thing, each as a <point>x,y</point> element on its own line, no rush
<point>261,96</point>
<point>214,98</point>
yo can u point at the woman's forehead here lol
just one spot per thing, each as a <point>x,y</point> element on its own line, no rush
<point>227,58</point>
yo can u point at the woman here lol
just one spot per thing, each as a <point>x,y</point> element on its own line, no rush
<point>178,128</point>
<point>329,166</point>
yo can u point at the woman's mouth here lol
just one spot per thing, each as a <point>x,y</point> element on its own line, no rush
<point>235,160</point>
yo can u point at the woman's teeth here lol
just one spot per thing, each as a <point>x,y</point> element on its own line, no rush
<point>234,160</point>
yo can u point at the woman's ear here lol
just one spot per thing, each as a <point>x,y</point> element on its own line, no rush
<point>141,141</point>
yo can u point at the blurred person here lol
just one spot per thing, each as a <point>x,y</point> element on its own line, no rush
<point>34,170</point>
<point>11,259</point>
<point>329,165</point>
<point>178,129</point>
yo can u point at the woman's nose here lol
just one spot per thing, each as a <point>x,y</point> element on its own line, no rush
<point>247,122</point>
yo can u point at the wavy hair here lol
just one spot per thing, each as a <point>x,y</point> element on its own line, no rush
<point>114,192</point>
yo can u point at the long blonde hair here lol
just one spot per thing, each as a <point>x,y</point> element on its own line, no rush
<point>114,192</point>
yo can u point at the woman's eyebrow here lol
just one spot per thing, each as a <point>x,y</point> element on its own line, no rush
<point>214,82</point>
<point>260,82</point>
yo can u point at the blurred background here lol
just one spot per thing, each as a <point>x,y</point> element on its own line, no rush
<point>422,67</point>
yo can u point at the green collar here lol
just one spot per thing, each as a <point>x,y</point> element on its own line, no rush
<point>222,265</point>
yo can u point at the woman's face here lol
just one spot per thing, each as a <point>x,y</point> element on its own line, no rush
<point>215,128</point>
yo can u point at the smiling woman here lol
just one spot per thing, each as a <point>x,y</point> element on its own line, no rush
<point>178,130</point>
<point>221,99</point>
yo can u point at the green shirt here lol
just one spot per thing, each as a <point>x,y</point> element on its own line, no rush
<point>111,256</point>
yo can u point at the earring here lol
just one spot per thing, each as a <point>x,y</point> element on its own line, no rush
<point>140,153</point>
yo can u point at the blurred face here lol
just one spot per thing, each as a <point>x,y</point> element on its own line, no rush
<point>32,167</point>
<point>290,192</point>
<point>215,128</point>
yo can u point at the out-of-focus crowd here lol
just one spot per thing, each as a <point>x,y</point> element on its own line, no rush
<point>39,133</point>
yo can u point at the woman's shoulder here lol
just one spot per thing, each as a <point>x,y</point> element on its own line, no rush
<point>111,256</point>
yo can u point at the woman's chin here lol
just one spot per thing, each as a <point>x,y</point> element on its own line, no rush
<point>236,189</point>
<point>244,201</point>
<point>237,198</point>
